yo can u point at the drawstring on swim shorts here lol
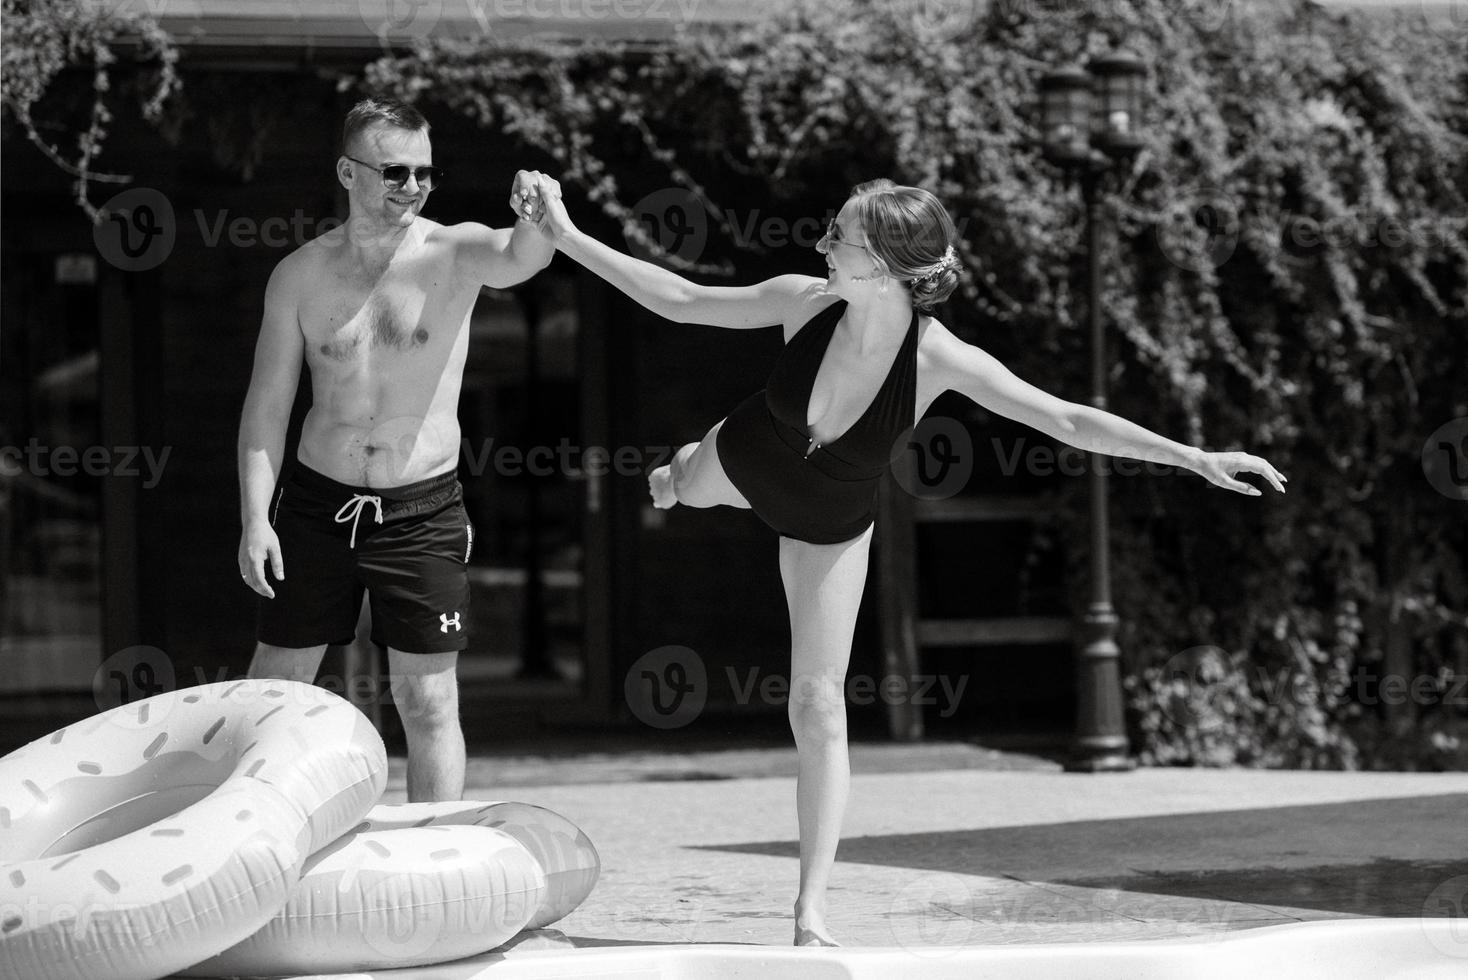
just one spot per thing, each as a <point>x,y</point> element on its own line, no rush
<point>352,511</point>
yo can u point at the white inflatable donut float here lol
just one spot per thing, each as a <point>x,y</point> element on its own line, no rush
<point>385,899</point>
<point>421,883</point>
<point>566,855</point>
<point>144,839</point>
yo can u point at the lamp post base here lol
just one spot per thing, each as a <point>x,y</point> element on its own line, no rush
<point>1100,742</point>
<point>1114,760</point>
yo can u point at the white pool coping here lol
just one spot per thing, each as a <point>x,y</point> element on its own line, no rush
<point>1354,949</point>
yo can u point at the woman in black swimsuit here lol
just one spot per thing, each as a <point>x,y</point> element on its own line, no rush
<point>862,362</point>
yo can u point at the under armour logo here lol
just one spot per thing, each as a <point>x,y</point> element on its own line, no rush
<point>443,618</point>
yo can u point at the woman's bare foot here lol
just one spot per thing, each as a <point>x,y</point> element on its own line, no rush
<point>812,937</point>
<point>660,484</point>
<point>810,929</point>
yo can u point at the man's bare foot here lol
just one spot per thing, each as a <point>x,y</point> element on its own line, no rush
<point>660,484</point>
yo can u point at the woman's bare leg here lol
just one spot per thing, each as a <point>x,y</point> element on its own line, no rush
<point>695,477</point>
<point>823,587</point>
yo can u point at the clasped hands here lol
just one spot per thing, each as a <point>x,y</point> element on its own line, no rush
<point>529,195</point>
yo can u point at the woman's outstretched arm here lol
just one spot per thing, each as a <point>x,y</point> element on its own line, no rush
<point>977,374</point>
<point>668,294</point>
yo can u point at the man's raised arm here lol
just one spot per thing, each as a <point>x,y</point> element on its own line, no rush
<point>503,257</point>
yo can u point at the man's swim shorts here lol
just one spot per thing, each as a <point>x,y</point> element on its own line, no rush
<point>407,547</point>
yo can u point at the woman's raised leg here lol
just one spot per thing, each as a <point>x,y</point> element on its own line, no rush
<point>695,477</point>
<point>823,587</point>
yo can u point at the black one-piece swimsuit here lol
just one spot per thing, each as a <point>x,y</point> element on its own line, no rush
<point>820,493</point>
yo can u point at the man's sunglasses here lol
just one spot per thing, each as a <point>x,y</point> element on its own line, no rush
<point>395,175</point>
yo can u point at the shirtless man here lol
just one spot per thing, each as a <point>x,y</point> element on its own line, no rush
<point>379,308</point>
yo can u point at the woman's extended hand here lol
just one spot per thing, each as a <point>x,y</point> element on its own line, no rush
<point>1220,468</point>
<point>552,218</point>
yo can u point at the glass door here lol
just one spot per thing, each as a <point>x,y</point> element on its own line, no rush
<point>52,464</point>
<point>525,488</point>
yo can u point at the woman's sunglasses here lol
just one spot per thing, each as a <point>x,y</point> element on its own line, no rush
<point>833,235</point>
<point>395,175</point>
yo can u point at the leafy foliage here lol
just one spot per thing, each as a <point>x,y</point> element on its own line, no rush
<point>1287,274</point>
<point>44,38</point>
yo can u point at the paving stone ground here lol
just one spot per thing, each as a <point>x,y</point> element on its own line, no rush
<point>953,844</point>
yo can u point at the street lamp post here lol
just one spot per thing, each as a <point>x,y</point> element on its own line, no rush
<point>1091,118</point>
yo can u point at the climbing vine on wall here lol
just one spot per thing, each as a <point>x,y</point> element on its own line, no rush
<point>1287,274</point>
<point>42,39</point>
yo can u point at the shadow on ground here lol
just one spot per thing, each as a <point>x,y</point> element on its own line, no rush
<point>1349,858</point>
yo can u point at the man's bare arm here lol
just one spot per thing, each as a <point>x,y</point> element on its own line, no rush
<point>500,257</point>
<point>503,257</point>
<point>277,371</point>
<point>278,354</point>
